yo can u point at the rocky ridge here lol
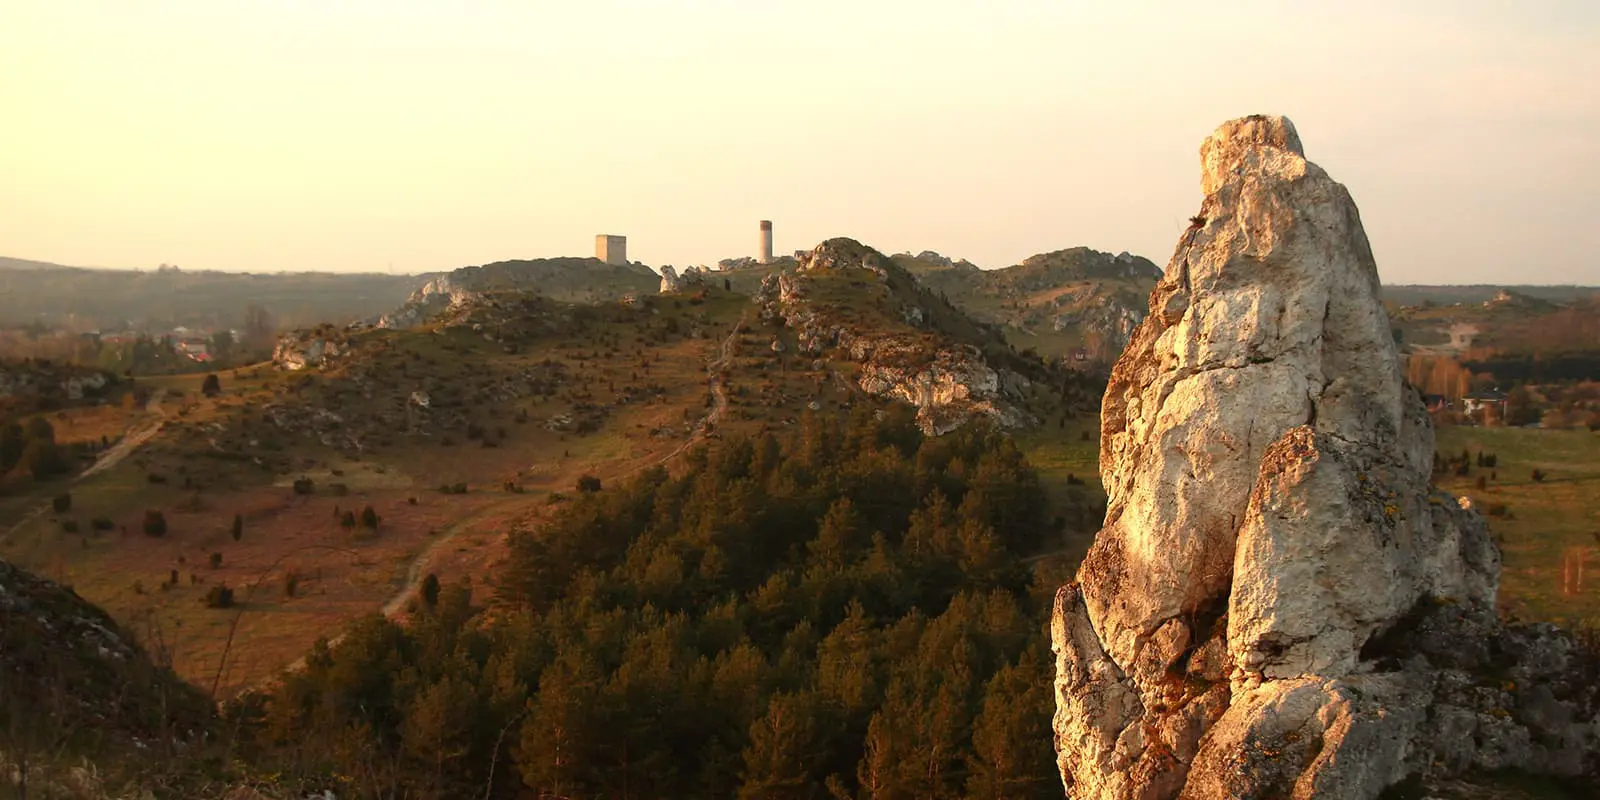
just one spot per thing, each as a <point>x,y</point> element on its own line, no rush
<point>947,379</point>
<point>1092,297</point>
<point>1279,604</point>
<point>578,280</point>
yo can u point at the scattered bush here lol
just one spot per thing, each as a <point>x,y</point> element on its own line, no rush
<point>411,501</point>
<point>156,477</point>
<point>369,518</point>
<point>155,523</point>
<point>219,596</point>
<point>216,560</point>
<point>1483,482</point>
<point>291,583</point>
<point>348,520</point>
<point>102,524</point>
<point>1538,476</point>
<point>588,483</point>
<point>304,486</point>
<point>62,503</point>
<point>69,526</point>
<point>211,386</point>
<point>238,527</point>
<point>1499,510</point>
<point>430,590</point>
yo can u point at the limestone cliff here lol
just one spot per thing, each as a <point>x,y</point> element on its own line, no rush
<point>1247,623</point>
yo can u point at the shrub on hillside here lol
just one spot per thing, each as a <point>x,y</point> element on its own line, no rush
<point>62,503</point>
<point>219,596</point>
<point>369,518</point>
<point>155,523</point>
<point>588,483</point>
<point>102,524</point>
<point>304,486</point>
<point>211,386</point>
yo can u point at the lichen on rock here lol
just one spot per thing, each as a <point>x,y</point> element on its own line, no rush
<point>1270,525</point>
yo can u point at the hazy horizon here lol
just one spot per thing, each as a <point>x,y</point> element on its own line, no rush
<point>367,136</point>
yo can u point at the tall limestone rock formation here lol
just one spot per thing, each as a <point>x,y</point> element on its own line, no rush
<point>1278,604</point>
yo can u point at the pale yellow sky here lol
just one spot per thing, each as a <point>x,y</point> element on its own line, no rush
<point>360,134</point>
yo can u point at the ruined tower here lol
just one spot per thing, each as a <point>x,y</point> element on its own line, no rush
<point>611,249</point>
<point>764,252</point>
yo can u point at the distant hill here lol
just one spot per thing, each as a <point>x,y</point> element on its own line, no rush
<point>1416,295</point>
<point>1527,319</point>
<point>84,298</point>
<point>22,263</point>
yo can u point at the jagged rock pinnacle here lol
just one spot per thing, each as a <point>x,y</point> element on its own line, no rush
<point>1269,517</point>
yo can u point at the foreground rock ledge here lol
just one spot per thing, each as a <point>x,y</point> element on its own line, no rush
<point>1279,605</point>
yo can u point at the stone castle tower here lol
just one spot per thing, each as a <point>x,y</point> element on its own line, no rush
<point>611,249</point>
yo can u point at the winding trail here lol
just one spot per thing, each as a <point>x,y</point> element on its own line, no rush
<point>716,371</point>
<point>132,440</point>
<point>717,380</point>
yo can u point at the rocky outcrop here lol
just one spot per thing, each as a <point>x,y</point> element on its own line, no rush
<point>68,668</point>
<point>948,381</point>
<point>302,349</point>
<point>437,295</point>
<point>1279,605</point>
<point>671,281</point>
<point>48,380</point>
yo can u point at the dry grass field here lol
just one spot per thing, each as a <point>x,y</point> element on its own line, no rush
<point>1549,532</point>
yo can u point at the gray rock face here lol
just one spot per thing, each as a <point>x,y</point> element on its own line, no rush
<point>1270,526</point>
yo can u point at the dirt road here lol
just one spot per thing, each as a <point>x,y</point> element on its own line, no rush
<point>131,441</point>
